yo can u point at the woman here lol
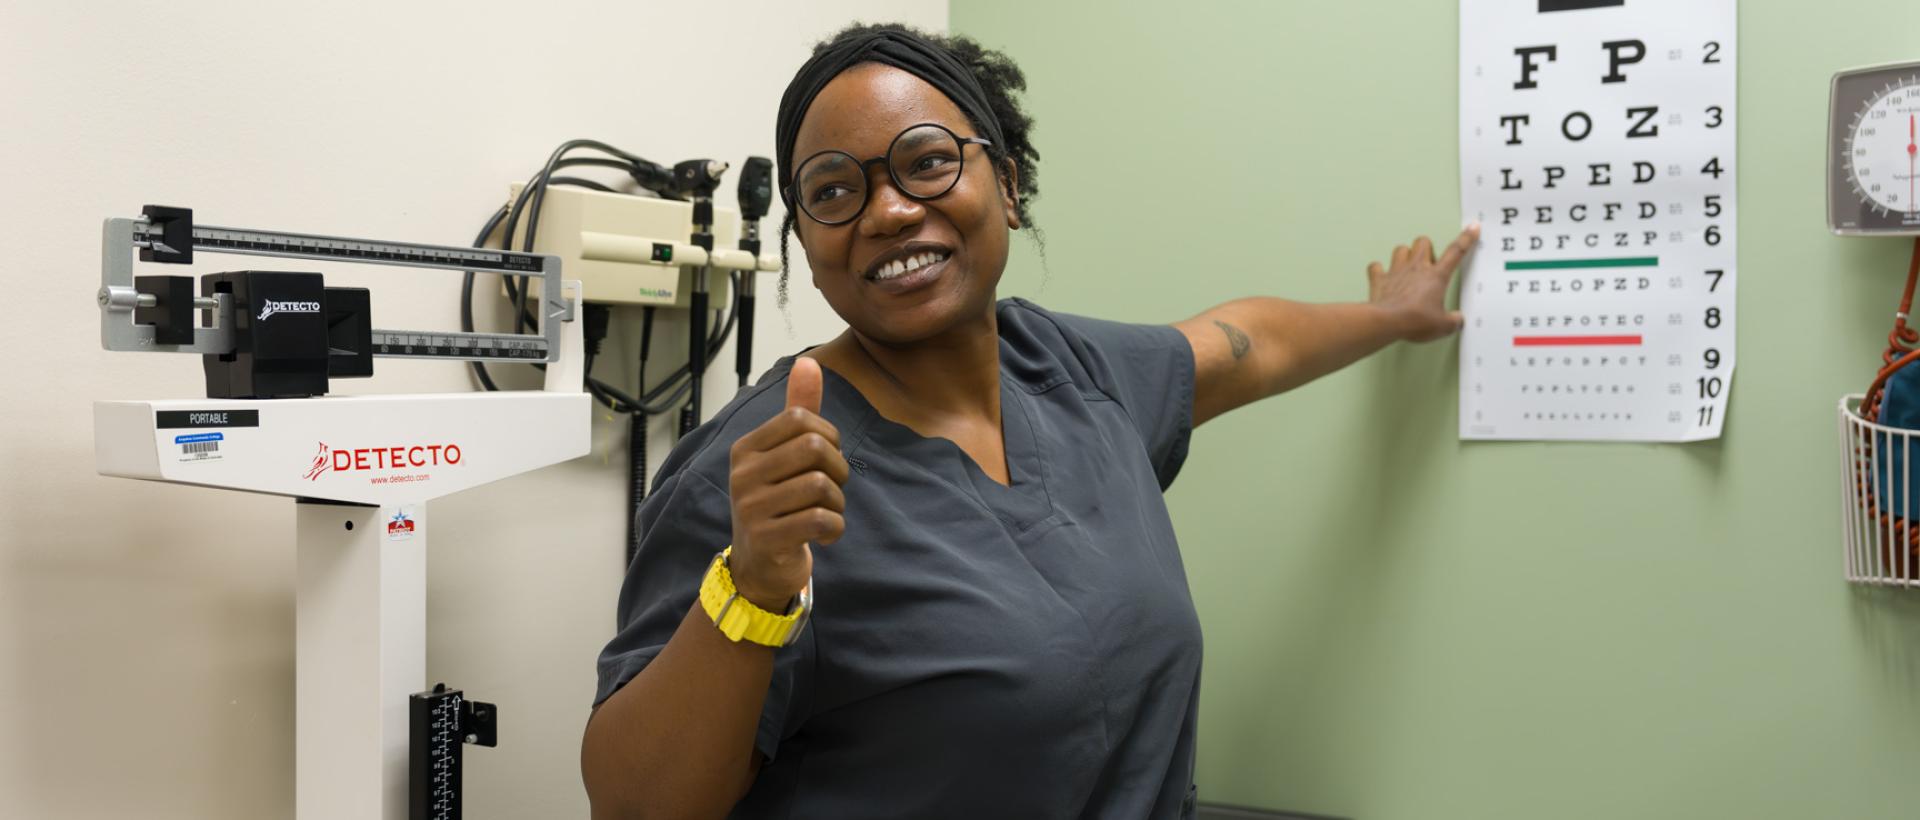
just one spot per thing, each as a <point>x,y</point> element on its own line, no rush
<point>1003,626</point>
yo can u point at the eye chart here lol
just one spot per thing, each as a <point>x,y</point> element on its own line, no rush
<point>1597,152</point>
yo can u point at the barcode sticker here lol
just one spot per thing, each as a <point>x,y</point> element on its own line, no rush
<point>199,446</point>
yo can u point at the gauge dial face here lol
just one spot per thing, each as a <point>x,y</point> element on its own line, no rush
<point>1883,150</point>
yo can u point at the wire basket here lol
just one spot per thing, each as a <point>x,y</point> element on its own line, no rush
<point>1880,512</point>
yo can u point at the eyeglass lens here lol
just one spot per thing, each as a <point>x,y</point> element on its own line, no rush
<point>924,162</point>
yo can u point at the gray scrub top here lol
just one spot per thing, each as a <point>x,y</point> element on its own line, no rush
<point>977,649</point>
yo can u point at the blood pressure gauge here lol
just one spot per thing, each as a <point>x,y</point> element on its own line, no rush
<point>1873,151</point>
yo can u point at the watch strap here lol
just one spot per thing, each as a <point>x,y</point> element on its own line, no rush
<point>739,619</point>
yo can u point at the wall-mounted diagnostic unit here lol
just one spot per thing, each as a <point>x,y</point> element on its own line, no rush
<point>629,249</point>
<point>662,242</point>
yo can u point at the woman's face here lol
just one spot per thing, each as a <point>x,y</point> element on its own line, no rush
<point>860,112</point>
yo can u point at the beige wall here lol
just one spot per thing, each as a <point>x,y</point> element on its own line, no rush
<point>146,630</point>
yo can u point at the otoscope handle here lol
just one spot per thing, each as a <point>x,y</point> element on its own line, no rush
<point>697,357</point>
<point>743,343</point>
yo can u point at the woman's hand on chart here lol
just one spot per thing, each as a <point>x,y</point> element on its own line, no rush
<point>785,484</point>
<point>1414,285</point>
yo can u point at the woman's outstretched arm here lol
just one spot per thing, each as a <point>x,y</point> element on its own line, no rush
<point>1248,349</point>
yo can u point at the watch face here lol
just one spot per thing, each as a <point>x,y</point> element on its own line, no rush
<point>1873,151</point>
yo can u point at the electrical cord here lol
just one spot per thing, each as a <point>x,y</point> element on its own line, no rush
<point>466,295</point>
<point>673,390</point>
<point>597,162</point>
<point>648,175</point>
<point>584,183</point>
<point>676,386</point>
<point>644,173</point>
<point>637,427</point>
<point>538,185</point>
<point>743,344</point>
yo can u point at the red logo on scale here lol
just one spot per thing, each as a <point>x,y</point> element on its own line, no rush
<point>361,459</point>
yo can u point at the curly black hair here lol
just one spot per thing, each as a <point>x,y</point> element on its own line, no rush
<point>1001,79</point>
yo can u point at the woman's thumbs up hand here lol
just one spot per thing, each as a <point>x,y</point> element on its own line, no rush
<point>785,484</point>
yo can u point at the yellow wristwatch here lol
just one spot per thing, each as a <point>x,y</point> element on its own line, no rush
<point>739,619</point>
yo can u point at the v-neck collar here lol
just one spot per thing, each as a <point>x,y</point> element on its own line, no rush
<point>875,438</point>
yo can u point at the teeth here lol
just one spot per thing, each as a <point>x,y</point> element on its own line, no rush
<point>900,267</point>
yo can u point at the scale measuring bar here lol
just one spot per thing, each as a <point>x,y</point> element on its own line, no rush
<point>214,239</point>
<point>156,240</point>
<point>407,344</point>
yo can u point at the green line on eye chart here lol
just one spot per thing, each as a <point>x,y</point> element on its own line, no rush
<point>1561,264</point>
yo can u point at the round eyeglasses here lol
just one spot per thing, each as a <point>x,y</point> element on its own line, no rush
<point>924,162</point>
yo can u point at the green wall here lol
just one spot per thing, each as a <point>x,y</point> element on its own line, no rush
<point>1400,625</point>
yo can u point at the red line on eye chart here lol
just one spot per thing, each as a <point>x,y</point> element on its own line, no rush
<point>1576,341</point>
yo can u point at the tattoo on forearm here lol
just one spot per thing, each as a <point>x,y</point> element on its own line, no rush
<point>1236,337</point>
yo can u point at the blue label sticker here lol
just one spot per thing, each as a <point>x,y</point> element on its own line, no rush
<point>197,437</point>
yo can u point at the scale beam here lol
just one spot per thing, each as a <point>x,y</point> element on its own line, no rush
<point>154,239</point>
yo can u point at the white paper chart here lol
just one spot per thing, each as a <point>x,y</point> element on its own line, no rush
<point>1597,152</point>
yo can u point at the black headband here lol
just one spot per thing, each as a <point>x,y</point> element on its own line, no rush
<point>901,49</point>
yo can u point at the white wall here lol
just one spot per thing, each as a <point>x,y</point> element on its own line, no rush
<point>146,630</point>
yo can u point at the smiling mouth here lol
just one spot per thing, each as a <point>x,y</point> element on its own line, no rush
<point>901,267</point>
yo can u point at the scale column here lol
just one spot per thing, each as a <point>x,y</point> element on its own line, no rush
<point>360,633</point>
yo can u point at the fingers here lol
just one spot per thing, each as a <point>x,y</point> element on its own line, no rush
<point>810,489</point>
<point>803,453</point>
<point>814,525</point>
<point>791,423</point>
<point>786,497</point>
<point>1423,250</point>
<point>1400,255</point>
<point>804,386</point>
<point>1459,248</point>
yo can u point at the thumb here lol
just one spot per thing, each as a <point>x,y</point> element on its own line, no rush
<point>803,384</point>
